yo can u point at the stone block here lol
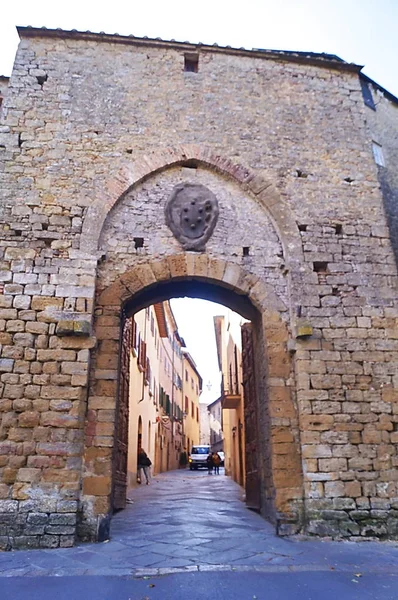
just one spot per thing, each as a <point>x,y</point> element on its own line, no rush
<point>97,486</point>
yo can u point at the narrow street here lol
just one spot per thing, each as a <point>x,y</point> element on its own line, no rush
<point>188,534</point>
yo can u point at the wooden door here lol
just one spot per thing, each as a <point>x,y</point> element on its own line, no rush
<point>253,496</point>
<point>122,421</point>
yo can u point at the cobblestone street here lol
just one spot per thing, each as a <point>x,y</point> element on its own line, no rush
<point>189,534</point>
<point>190,521</point>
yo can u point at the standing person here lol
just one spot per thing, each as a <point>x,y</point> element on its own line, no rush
<point>183,459</point>
<point>216,463</point>
<point>209,461</point>
<point>144,463</point>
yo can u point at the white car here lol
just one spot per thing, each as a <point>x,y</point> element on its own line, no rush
<point>198,457</point>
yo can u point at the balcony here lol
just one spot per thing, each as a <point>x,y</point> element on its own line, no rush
<point>230,399</point>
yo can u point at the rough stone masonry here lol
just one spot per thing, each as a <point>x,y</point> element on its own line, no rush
<point>96,132</point>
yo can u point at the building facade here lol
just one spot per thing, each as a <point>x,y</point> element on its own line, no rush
<point>157,419</point>
<point>229,350</point>
<point>192,388</point>
<point>299,239</point>
<point>215,417</point>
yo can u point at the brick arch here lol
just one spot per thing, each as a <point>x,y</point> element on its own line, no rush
<point>255,182</point>
<point>283,476</point>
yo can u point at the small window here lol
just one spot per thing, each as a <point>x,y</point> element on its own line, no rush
<point>378,154</point>
<point>191,63</point>
<point>367,95</point>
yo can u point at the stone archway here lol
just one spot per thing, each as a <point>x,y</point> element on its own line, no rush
<point>135,277</point>
<point>283,489</point>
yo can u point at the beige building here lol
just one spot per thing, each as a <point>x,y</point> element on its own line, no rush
<point>156,413</point>
<point>228,339</point>
<point>192,388</point>
<point>143,398</point>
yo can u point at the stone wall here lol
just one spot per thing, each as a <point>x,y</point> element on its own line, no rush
<point>89,120</point>
<point>383,129</point>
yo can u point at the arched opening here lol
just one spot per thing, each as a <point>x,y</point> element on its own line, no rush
<point>247,265</point>
<point>271,451</point>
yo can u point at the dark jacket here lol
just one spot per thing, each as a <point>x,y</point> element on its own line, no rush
<point>144,460</point>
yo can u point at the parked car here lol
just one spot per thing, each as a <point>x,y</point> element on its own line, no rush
<point>198,457</point>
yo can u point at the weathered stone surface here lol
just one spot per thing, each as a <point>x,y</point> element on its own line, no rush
<point>332,396</point>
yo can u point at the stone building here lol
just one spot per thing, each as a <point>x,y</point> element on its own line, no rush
<point>104,141</point>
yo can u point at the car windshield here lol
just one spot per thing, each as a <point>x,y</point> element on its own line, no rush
<point>200,450</point>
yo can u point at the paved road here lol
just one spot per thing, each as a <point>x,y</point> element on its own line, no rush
<point>189,534</point>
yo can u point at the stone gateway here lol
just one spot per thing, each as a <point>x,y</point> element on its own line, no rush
<point>265,180</point>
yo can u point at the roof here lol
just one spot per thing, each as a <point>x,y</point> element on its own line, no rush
<point>191,361</point>
<point>315,58</point>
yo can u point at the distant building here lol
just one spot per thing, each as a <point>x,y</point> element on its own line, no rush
<point>228,341</point>
<point>191,388</point>
<point>204,418</point>
<point>157,416</point>
<point>215,423</point>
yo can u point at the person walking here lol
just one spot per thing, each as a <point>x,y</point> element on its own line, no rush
<point>216,463</point>
<point>144,463</point>
<point>209,461</point>
<point>183,459</point>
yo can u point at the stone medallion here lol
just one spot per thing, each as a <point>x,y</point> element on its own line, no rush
<point>191,214</point>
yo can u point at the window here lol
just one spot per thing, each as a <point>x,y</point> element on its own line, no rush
<point>197,390</point>
<point>378,154</point>
<point>152,325</point>
<point>192,410</point>
<point>148,375</point>
<point>186,375</point>
<point>367,94</point>
<point>142,355</point>
<point>186,404</point>
<point>197,414</point>
<point>191,62</point>
<point>135,339</point>
<point>192,383</point>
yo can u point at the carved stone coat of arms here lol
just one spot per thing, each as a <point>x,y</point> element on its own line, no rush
<point>191,214</point>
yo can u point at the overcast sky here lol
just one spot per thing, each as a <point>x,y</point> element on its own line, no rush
<point>360,31</point>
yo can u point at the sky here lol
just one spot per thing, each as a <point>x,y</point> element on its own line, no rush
<point>360,31</point>
<point>195,324</point>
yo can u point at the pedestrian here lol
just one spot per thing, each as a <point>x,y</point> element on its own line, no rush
<point>216,463</point>
<point>144,464</point>
<point>183,459</point>
<point>209,461</point>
